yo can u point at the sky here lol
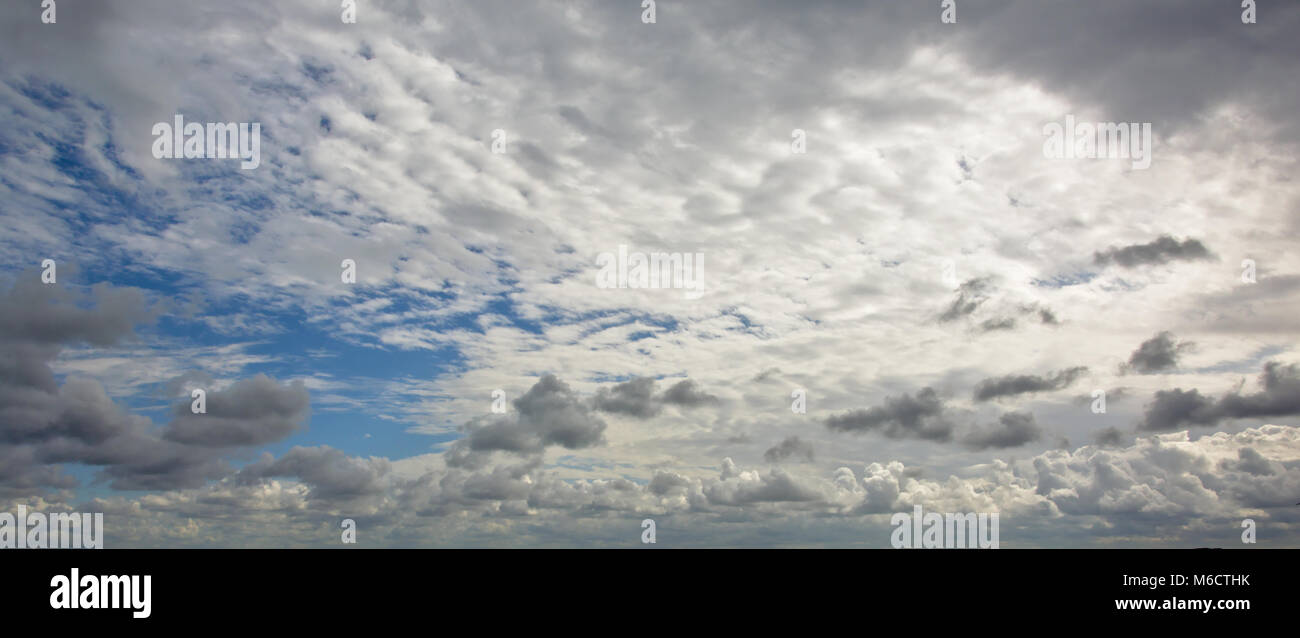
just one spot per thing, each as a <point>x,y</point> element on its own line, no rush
<point>899,297</point>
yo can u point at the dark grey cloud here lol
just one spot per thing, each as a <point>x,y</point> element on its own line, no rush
<point>1173,409</point>
<point>250,412</point>
<point>1161,251</point>
<point>633,398</point>
<point>637,397</point>
<point>1001,323</point>
<point>1250,461</point>
<point>1015,384</point>
<point>900,417</point>
<point>791,446</point>
<point>1157,354</point>
<point>687,393</point>
<point>53,314</point>
<point>970,295</point>
<point>1109,437</point>
<point>550,413</point>
<point>1013,429</point>
<point>48,424</point>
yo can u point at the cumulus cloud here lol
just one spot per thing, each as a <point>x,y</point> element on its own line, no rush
<point>1164,487</point>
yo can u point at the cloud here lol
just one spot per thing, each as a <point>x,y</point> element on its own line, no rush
<point>900,417</point>
<point>549,414</point>
<point>1109,437</point>
<point>1165,489</point>
<point>1160,251</point>
<point>738,487</point>
<point>48,424</point>
<point>633,398</point>
<point>1157,354</point>
<point>1013,430</point>
<point>250,412</point>
<point>970,295</point>
<point>637,398</point>
<point>1280,396</point>
<point>789,447</point>
<point>687,393</point>
<point>377,148</point>
<point>331,474</point>
<point>1012,385</point>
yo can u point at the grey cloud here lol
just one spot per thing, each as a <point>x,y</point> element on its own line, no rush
<point>637,397</point>
<point>633,398</point>
<point>1158,353</point>
<point>665,482</point>
<point>329,473</point>
<point>1012,430</point>
<point>1109,437</point>
<point>250,412</point>
<point>1250,461</point>
<point>1161,251</point>
<point>550,413</point>
<point>1280,396</point>
<point>47,424</point>
<point>970,295</point>
<point>789,447</point>
<point>1012,385</point>
<point>776,486</point>
<point>1003,323</point>
<point>687,393</point>
<point>899,418</point>
<point>48,314</point>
